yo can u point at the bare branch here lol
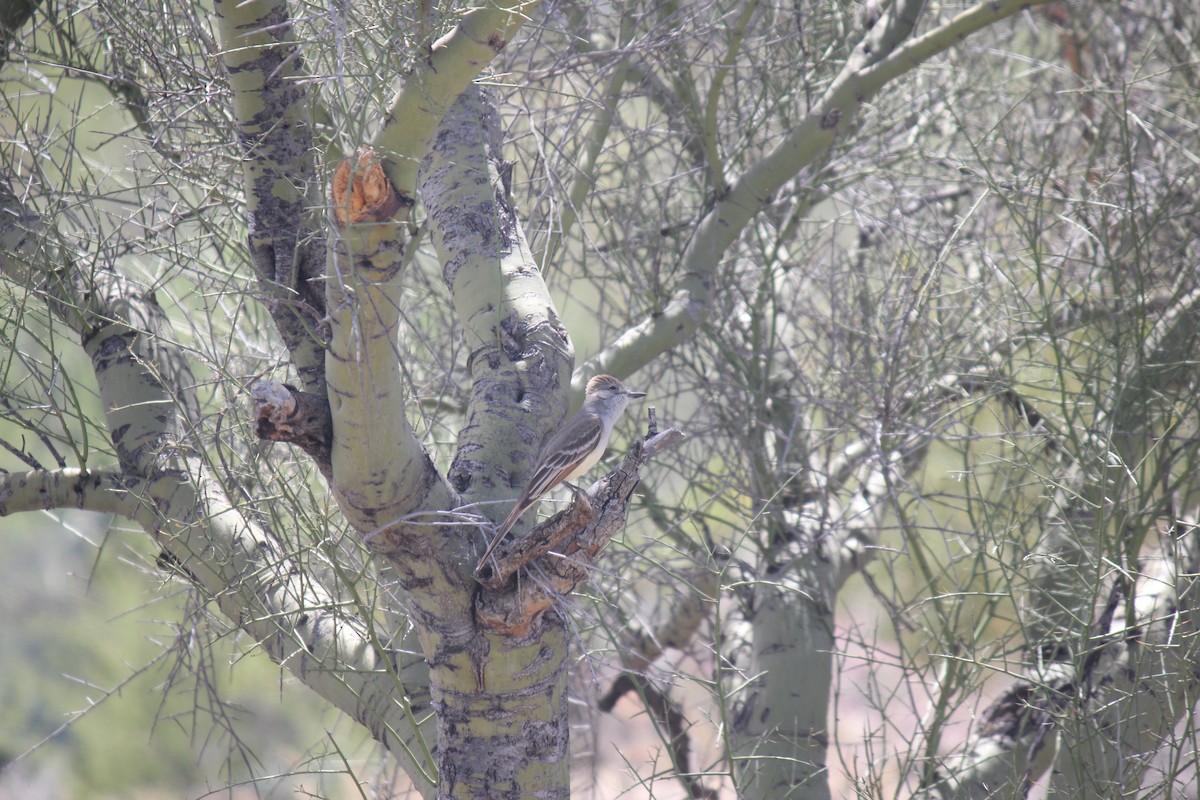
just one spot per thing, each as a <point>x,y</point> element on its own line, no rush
<point>272,105</point>
<point>803,146</point>
<point>169,493</point>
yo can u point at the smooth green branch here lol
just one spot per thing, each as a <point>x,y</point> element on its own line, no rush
<point>379,465</point>
<point>486,262</point>
<point>435,82</point>
<point>102,491</point>
<point>145,380</point>
<point>864,74</point>
<point>382,476</point>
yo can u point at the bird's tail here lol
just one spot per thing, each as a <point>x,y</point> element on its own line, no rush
<point>520,508</point>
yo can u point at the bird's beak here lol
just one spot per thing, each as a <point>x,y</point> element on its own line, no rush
<point>635,394</point>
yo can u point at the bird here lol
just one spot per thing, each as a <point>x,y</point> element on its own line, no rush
<point>573,450</point>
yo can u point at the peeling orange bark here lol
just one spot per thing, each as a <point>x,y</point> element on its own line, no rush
<point>362,191</point>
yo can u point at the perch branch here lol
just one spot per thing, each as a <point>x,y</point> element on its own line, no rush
<point>517,604</point>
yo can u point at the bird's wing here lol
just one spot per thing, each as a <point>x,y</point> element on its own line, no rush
<point>563,454</point>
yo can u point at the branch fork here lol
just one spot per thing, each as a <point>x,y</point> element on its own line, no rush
<point>573,536</point>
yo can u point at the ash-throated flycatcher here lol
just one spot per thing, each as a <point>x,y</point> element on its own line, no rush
<point>573,449</point>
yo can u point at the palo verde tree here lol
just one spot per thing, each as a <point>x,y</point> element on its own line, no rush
<point>911,286</point>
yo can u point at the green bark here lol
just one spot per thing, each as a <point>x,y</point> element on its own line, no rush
<point>504,697</point>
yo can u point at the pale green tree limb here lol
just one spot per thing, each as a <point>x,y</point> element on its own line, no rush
<point>103,491</point>
<point>779,731</point>
<point>883,55</point>
<point>272,106</point>
<point>436,81</point>
<point>381,472</point>
<point>146,388</point>
<point>518,351</point>
<point>520,360</point>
